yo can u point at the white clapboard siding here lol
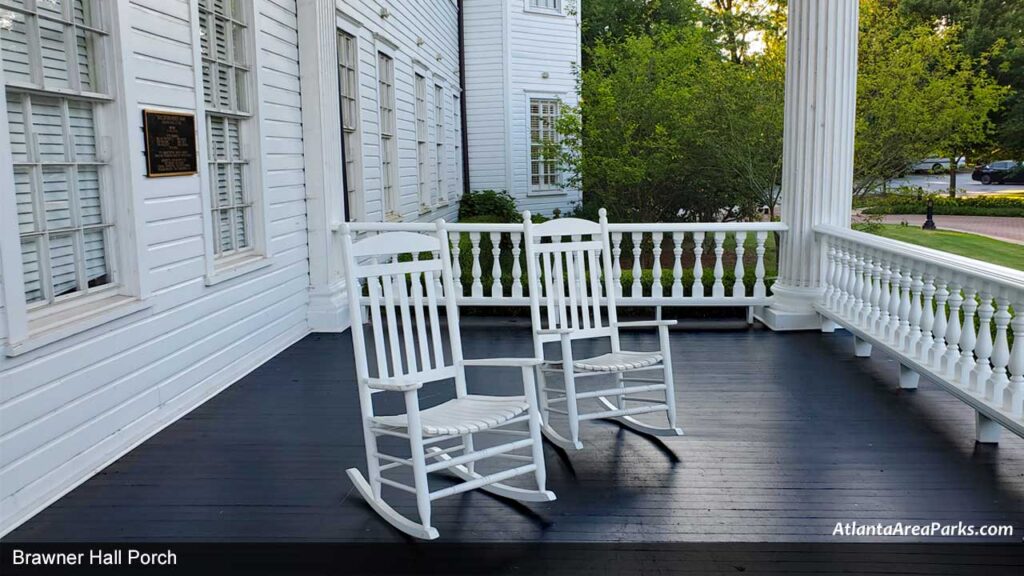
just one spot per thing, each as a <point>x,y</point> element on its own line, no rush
<point>435,22</point>
<point>513,50</point>
<point>68,408</point>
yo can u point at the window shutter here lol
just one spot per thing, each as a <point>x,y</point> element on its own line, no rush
<point>14,45</point>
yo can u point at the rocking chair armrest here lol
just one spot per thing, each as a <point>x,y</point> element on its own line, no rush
<point>647,324</point>
<point>548,331</point>
<point>520,362</point>
<point>393,384</point>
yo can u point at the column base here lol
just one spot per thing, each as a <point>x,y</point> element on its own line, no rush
<point>791,309</point>
<point>328,310</point>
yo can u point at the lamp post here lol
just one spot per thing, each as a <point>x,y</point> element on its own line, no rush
<point>929,224</point>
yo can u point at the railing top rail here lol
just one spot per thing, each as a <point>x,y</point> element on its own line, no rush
<point>700,227</point>
<point>962,265</point>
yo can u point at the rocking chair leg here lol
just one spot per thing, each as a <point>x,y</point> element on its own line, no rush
<point>620,400</point>
<point>538,447</point>
<point>467,444</point>
<point>419,460</point>
<point>670,387</point>
<point>387,512</point>
<point>542,394</point>
<point>372,464</point>
<point>570,392</point>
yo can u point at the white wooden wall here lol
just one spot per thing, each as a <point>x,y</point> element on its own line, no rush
<point>512,49</point>
<point>70,407</point>
<point>435,22</point>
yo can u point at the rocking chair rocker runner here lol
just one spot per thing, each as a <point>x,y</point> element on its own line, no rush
<point>404,298</point>
<point>566,290</point>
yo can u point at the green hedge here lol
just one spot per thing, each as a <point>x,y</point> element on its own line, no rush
<point>994,205</point>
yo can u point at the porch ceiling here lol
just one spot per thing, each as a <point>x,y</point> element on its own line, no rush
<point>787,434</point>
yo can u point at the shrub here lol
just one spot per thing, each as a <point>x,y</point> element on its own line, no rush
<point>911,203</point>
<point>495,204</point>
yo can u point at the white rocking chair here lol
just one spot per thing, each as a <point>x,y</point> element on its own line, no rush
<point>404,298</point>
<point>566,289</point>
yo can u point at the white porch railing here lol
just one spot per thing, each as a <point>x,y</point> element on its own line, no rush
<point>701,264</point>
<point>945,317</point>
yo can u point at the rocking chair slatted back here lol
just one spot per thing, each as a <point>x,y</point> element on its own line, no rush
<point>569,264</point>
<point>403,276</point>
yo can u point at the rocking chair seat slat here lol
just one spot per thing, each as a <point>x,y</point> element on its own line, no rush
<point>616,361</point>
<point>469,414</point>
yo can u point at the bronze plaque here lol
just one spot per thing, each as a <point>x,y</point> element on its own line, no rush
<point>170,143</point>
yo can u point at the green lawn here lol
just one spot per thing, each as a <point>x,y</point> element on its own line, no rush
<point>970,245</point>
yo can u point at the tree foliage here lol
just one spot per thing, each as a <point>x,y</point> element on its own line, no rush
<point>918,93</point>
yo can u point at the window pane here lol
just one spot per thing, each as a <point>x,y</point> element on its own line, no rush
<point>224,227</point>
<point>89,207</point>
<point>14,43</point>
<point>49,129</point>
<point>83,14</point>
<point>62,264</point>
<point>51,7</point>
<point>221,192</point>
<point>23,199</point>
<point>30,248</point>
<point>16,126</point>
<point>86,42</point>
<point>83,130</point>
<point>241,229</point>
<point>95,258</point>
<point>56,198</point>
<point>54,53</point>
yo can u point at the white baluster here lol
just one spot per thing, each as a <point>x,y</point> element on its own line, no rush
<point>456,264</point>
<point>866,288</point>
<point>1015,400</point>
<point>842,287</point>
<point>968,337</point>
<point>933,355</point>
<point>698,267</point>
<point>637,288</point>
<point>759,287</point>
<point>924,345</point>
<point>830,272</point>
<point>895,303</point>
<point>906,281</point>
<point>882,320</point>
<point>914,336</point>
<point>718,288</point>
<point>677,265</point>
<point>656,238</point>
<point>995,388</point>
<point>477,288</point>
<point>496,287</point>
<point>952,353</point>
<point>617,262</point>
<point>983,347</point>
<point>739,289</point>
<point>856,303</point>
<point>517,267</point>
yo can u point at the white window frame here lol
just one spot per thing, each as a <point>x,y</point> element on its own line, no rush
<point>421,131</point>
<point>257,255</point>
<point>353,167</point>
<point>114,111</point>
<point>440,141</point>
<point>558,10</point>
<point>542,190</point>
<point>457,143</point>
<point>390,206</point>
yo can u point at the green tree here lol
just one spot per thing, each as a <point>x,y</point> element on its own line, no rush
<point>612,21</point>
<point>917,93</point>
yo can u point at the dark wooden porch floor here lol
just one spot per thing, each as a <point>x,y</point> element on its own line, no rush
<point>787,434</point>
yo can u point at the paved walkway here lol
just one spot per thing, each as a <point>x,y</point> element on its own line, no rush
<point>1010,229</point>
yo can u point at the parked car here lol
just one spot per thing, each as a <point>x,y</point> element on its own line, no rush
<point>999,172</point>
<point>935,164</point>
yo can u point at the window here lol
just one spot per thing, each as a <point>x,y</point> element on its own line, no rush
<point>457,142</point>
<point>439,163</point>
<point>223,36</point>
<point>386,97</point>
<point>543,170</point>
<point>553,5</point>
<point>348,87</point>
<point>422,186</point>
<point>62,184</point>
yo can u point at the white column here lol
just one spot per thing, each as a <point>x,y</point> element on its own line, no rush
<point>321,138</point>
<point>820,104</point>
